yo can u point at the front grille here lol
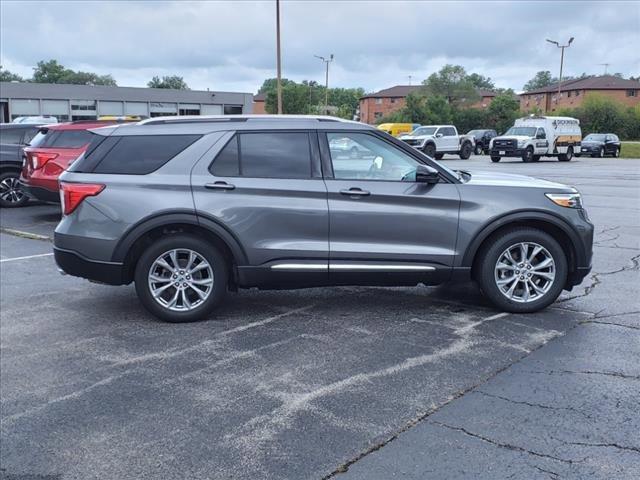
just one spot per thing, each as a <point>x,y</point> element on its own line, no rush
<point>412,142</point>
<point>505,144</point>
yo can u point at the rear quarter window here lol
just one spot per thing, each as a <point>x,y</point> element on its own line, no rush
<point>132,155</point>
<point>48,138</point>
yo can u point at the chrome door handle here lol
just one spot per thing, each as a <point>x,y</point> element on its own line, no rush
<point>356,192</point>
<point>219,186</point>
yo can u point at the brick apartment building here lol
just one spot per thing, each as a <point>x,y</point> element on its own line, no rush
<point>376,105</point>
<point>573,92</point>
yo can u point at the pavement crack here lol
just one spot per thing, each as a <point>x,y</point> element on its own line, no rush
<point>587,372</point>
<point>530,404</point>
<point>585,322</point>
<point>507,446</point>
<point>549,472</point>
<point>595,278</point>
<point>606,445</point>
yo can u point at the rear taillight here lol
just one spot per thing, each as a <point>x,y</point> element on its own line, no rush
<point>72,194</point>
<point>39,159</point>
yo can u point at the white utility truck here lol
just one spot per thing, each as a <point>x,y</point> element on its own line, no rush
<point>534,137</point>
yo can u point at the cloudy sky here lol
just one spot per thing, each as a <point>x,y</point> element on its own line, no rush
<point>230,45</point>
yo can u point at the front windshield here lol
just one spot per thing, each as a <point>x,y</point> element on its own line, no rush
<point>594,137</point>
<point>424,131</point>
<point>523,131</point>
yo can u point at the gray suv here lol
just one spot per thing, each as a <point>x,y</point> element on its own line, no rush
<point>191,207</point>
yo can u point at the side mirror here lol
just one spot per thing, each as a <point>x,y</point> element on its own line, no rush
<point>439,135</point>
<point>427,174</point>
<point>540,136</point>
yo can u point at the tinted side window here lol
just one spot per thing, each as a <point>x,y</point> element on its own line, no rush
<point>227,162</point>
<point>275,155</point>
<point>11,136</point>
<point>70,139</point>
<point>139,155</point>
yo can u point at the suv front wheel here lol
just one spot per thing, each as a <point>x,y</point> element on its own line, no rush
<point>181,278</point>
<point>522,270</point>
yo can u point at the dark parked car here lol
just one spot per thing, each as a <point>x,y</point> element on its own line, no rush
<point>482,137</point>
<point>13,137</point>
<point>191,207</point>
<point>600,145</point>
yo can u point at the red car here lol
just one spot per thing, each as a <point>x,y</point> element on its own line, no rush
<point>50,153</point>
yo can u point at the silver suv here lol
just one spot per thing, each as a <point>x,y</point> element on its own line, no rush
<point>191,207</point>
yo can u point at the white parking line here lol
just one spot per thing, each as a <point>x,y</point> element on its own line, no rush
<point>15,259</point>
<point>497,316</point>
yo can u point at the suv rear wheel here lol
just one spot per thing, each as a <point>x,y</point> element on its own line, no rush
<point>522,270</point>
<point>181,278</point>
<point>11,195</point>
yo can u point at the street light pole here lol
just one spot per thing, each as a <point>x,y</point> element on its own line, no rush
<point>278,64</point>
<point>561,47</point>
<point>326,79</point>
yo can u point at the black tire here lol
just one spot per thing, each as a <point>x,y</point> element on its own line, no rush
<point>465,151</point>
<point>11,195</point>
<point>490,253</point>
<point>495,159</point>
<point>600,153</point>
<point>616,153</point>
<point>527,156</point>
<point>182,241</point>
<point>566,157</point>
<point>478,150</point>
<point>430,150</point>
<point>439,156</point>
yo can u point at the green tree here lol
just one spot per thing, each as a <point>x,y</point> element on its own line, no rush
<point>504,109</point>
<point>438,109</point>
<point>452,83</point>
<point>7,76</point>
<point>540,80</point>
<point>53,72</point>
<point>48,72</point>
<point>467,119</point>
<point>601,114</point>
<point>174,82</point>
<point>86,78</point>
<point>480,81</point>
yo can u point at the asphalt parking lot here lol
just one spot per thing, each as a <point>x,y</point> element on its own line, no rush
<point>345,383</point>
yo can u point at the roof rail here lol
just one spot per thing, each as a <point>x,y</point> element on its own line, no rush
<point>180,119</point>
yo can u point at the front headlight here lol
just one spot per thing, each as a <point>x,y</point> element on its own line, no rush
<point>569,200</point>
<point>522,143</point>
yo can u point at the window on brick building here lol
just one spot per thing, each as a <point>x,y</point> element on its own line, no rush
<point>378,101</point>
<point>569,94</point>
<point>632,93</point>
<point>377,115</point>
<point>577,93</point>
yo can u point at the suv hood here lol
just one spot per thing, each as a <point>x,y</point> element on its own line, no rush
<point>414,137</point>
<point>509,180</point>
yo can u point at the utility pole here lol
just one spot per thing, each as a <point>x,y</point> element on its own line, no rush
<point>561,47</point>
<point>409,77</point>
<point>606,67</point>
<point>327,61</point>
<point>278,63</point>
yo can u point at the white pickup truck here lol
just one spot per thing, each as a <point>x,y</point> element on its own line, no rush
<point>436,140</point>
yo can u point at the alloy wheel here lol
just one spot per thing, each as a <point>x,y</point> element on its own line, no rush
<point>10,190</point>
<point>525,272</point>
<point>180,280</point>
